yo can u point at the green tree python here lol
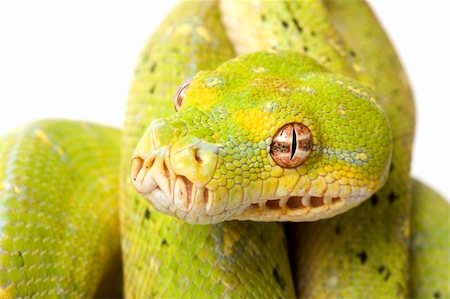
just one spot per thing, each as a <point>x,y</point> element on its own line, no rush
<point>280,170</point>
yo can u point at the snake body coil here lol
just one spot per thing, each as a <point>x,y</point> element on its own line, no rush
<point>64,186</point>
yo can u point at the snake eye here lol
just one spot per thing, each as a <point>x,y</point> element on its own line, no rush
<point>291,145</point>
<point>180,94</point>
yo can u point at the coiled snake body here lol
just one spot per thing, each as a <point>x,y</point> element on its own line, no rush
<point>313,117</point>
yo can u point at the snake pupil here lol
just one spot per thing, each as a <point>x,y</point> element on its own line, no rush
<point>294,143</point>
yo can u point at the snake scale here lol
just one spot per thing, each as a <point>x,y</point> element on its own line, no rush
<point>322,73</point>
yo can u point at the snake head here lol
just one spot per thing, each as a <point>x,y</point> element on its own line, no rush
<point>267,136</point>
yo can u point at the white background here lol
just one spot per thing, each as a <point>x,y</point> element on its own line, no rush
<point>74,59</point>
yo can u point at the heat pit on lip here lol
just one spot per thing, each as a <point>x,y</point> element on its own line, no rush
<point>181,191</point>
<point>205,195</point>
<point>136,166</point>
<point>294,202</point>
<point>187,194</point>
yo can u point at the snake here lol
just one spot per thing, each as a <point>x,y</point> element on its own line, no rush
<point>280,169</point>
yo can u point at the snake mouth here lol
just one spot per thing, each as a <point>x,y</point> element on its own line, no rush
<point>296,208</point>
<point>176,195</point>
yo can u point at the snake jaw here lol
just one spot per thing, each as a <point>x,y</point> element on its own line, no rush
<point>161,179</point>
<point>175,194</point>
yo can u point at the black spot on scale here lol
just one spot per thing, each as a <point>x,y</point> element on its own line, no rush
<point>362,256</point>
<point>392,197</point>
<point>369,34</point>
<point>391,168</point>
<point>352,53</point>
<point>305,49</point>
<point>280,281</point>
<point>381,269</point>
<point>153,67</point>
<point>374,200</point>
<point>164,242</point>
<point>263,18</point>
<point>337,229</point>
<point>388,274</point>
<point>137,200</point>
<point>147,214</point>
<point>437,294</point>
<point>21,261</point>
<point>285,24</point>
<point>262,237</point>
<point>152,89</point>
<point>297,25</point>
<point>400,289</point>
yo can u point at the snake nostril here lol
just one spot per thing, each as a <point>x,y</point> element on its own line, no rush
<point>194,159</point>
<point>136,166</point>
<point>197,156</point>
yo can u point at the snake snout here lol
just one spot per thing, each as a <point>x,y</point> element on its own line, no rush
<point>174,179</point>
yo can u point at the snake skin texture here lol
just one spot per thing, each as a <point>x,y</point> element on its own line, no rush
<point>70,217</point>
<point>59,228</point>
<point>430,242</point>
